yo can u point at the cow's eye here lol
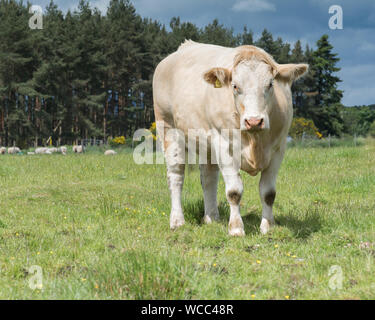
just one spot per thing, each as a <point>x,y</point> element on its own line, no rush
<point>270,84</point>
<point>236,88</point>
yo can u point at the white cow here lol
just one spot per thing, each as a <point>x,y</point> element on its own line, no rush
<point>62,150</point>
<point>3,150</point>
<point>211,88</point>
<point>41,150</point>
<point>14,150</point>
<point>110,153</point>
<point>78,149</point>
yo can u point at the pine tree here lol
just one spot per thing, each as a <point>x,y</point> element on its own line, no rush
<point>88,86</point>
<point>297,55</point>
<point>181,32</point>
<point>326,113</point>
<point>49,79</point>
<point>266,43</point>
<point>325,66</point>
<point>282,51</point>
<point>123,57</point>
<point>246,37</point>
<point>216,33</point>
<point>155,45</point>
<point>16,66</point>
<point>299,87</point>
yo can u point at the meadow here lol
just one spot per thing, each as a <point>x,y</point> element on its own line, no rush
<point>98,227</point>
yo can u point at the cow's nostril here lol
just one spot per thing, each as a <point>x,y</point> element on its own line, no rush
<point>254,123</point>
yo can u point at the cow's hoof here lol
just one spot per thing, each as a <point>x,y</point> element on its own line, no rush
<point>209,219</point>
<point>266,226</point>
<point>176,223</point>
<point>237,232</point>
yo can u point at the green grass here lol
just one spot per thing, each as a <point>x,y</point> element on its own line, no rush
<point>99,229</point>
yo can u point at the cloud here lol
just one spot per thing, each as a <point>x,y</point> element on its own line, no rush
<point>253,6</point>
<point>367,46</point>
<point>358,96</point>
<point>358,84</point>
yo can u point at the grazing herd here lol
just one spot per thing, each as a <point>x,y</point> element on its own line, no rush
<point>52,150</point>
<point>43,150</point>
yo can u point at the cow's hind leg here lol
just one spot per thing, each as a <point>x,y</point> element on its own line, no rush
<point>209,181</point>
<point>175,158</point>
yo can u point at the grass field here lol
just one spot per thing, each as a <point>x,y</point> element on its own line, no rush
<point>98,227</point>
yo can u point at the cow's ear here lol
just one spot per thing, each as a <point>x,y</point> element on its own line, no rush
<point>218,77</point>
<point>291,72</point>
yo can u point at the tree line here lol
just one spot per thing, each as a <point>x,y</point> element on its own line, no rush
<point>86,75</point>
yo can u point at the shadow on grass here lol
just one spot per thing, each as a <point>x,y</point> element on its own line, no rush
<point>252,221</point>
<point>194,211</point>
<point>303,226</point>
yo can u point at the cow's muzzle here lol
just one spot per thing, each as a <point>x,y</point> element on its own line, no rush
<point>254,124</point>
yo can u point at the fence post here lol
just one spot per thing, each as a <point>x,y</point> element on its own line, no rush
<point>303,138</point>
<point>329,141</point>
<point>355,140</point>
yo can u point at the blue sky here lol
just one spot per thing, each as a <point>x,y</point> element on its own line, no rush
<point>306,20</point>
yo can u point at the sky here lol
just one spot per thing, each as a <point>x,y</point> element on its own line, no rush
<point>292,20</point>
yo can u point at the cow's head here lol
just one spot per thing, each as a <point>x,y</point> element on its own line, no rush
<point>253,80</point>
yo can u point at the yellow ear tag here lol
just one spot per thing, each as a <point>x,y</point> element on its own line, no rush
<point>218,83</point>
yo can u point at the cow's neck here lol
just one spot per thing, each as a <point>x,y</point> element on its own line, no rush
<point>255,151</point>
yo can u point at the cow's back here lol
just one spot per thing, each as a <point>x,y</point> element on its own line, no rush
<point>180,92</point>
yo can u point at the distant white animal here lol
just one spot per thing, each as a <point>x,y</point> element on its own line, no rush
<point>110,153</point>
<point>48,152</point>
<point>53,150</point>
<point>62,150</point>
<point>78,149</point>
<point>41,150</point>
<point>3,150</point>
<point>14,150</point>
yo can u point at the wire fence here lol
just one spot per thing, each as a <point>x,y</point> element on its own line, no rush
<point>327,142</point>
<point>93,142</point>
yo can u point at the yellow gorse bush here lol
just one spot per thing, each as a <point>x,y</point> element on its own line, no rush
<point>119,140</point>
<point>153,130</point>
<point>153,127</point>
<point>302,126</point>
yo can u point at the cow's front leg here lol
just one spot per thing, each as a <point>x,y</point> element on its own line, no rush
<point>267,191</point>
<point>234,190</point>
<point>209,181</point>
